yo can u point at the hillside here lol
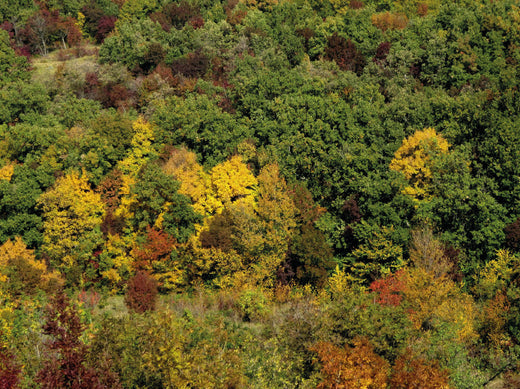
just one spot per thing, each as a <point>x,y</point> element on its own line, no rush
<point>259,194</point>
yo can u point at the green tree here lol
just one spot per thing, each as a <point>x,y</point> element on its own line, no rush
<point>12,66</point>
<point>158,204</point>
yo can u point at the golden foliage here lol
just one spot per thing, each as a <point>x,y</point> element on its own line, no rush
<point>433,300</point>
<point>6,171</point>
<point>21,270</point>
<point>413,372</point>
<point>414,160</point>
<point>72,215</point>
<point>231,181</point>
<point>183,166</point>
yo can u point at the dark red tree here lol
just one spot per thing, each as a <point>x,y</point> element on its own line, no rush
<point>194,65</point>
<point>382,52</point>
<point>65,365</point>
<point>344,53</point>
<point>513,235</point>
<point>105,26</point>
<point>10,370</point>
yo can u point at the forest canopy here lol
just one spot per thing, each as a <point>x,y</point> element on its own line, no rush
<point>259,193</point>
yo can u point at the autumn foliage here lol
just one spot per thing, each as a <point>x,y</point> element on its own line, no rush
<point>415,160</point>
<point>389,21</point>
<point>141,293</point>
<point>351,367</point>
<point>66,365</point>
<point>389,289</point>
<point>411,372</point>
<point>344,53</point>
<point>10,369</point>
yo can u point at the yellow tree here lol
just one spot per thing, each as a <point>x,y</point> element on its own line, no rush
<point>276,214</point>
<point>232,181</point>
<point>20,269</point>
<point>141,152</point>
<point>433,297</point>
<point>415,159</point>
<point>72,215</point>
<point>183,166</point>
<point>6,172</point>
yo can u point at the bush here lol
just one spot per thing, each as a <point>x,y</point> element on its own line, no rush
<point>141,294</point>
<point>253,304</point>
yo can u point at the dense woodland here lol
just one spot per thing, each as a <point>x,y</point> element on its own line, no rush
<point>259,194</point>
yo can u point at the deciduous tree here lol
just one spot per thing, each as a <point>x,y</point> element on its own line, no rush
<point>72,214</point>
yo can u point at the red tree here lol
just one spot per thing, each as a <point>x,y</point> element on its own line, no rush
<point>65,365</point>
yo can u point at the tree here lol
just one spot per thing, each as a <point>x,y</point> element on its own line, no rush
<point>10,369</point>
<point>66,355</point>
<point>12,66</point>
<point>345,53</point>
<point>414,160</point>
<point>433,302</point>
<point>351,367</point>
<point>157,203</point>
<point>411,372</point>
<point>24,273</point>
<point>72,215</point>
<point>141,293</point>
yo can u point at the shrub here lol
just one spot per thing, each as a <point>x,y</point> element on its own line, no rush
<point>141,294</point>
<point>252,304</point>
<point>66,365</point>
<point>9,369</point>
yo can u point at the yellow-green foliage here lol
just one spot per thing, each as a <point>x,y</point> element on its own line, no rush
<point>141,150</point>
<point>115,262</point>
<point>338,283</point>
<point>224,267</point>
<point>7,309</point>
<point>414,160</point>
<point>264,5</point>
<point>184,360</point>
<point>435,300</point>
<point>72,214</point>
<point>259,210</point>
<point>496,273</point>
<point>275,209</point>
<point>377,257</point>
<point>140,153</point>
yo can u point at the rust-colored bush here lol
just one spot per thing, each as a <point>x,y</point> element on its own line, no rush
<point>351,367</point>
<point>141,293</point>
